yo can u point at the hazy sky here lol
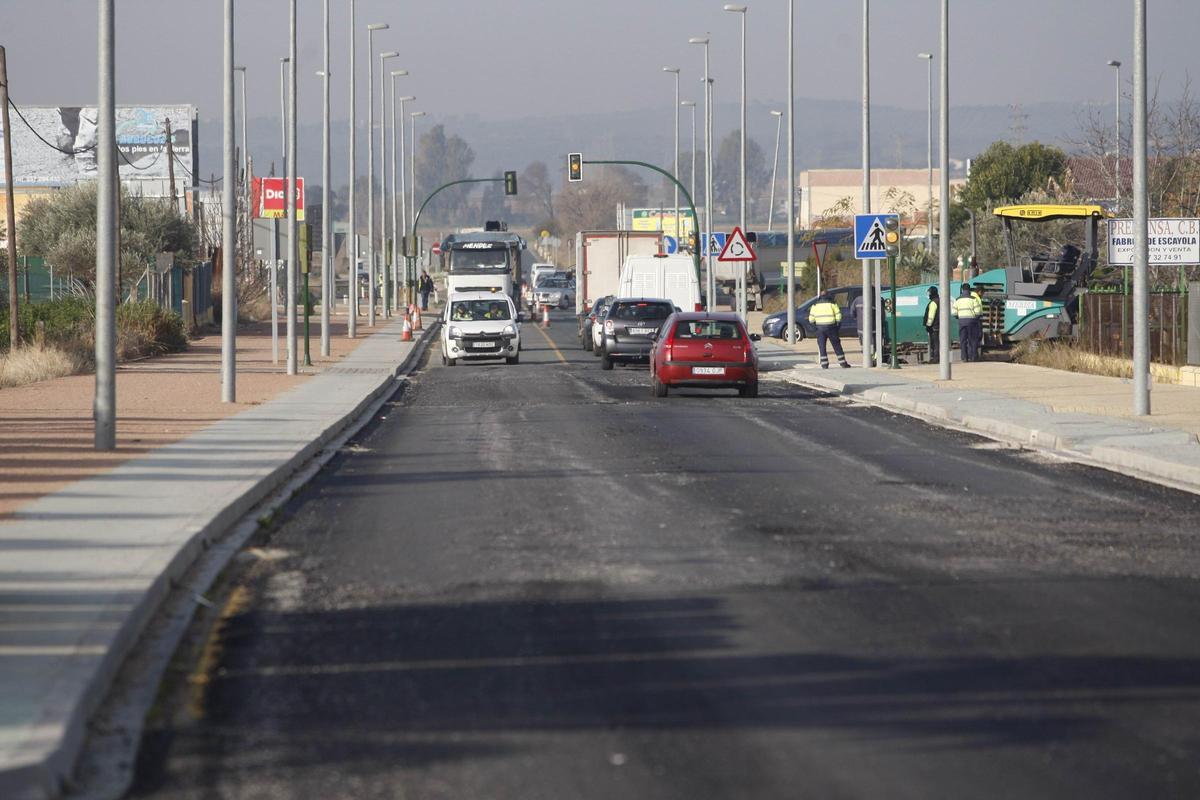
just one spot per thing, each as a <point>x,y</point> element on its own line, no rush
<point>514,57</point>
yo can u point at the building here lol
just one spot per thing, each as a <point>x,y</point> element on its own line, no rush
<point>903,190</point>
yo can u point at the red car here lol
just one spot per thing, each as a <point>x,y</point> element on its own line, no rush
<point>705,350</point>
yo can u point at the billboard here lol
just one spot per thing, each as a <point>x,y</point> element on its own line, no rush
<point>663,219</point>
<point>269,198</point>
<point>141,144</point>
<point>1172,241</point>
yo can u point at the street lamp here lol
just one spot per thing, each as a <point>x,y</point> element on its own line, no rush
<point>371,29</point>
<point>293,259</point>
<point>675,72</point>
<point>351,232</point>
<point>791,173</point>
<point>741,281</point>
<point>868,295</point>
<point>383,58</point>
<point>397,189</point>
<point>692,105</point>
<point>228,222</point>
<point>412,174</point>
<point>928,57</point>
<point>712,281</point>
<point>275,250</point>
<point>1116,65</point>
<point>778,115</point>
<point>327,281</point>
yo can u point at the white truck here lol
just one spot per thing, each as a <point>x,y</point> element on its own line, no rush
<point>660,276</point>
<point>599,256</point>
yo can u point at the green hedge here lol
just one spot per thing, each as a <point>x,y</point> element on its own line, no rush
<point>142,327</point>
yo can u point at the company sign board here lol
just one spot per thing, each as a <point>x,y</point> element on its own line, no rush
<point>663,219</point>
<point>141,144</point>
<point>270,198</point>
<point>1172,241</point>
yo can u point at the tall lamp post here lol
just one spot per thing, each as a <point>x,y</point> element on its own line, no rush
<point>404,227</point>
<point>1141,214</point>
<point>371,29</point>
<point>412,198</point>
<point>741,279</point>
<point>944,191</point>
<point>692,187</point>
<point>928,57</point>
<point>868,294</point>
<point>293,260</point>
<point>327,281</point>
<point>712,279</point>
<point>104,403</point>
<point>778,115</point>
<point>276,252</point>
<point>351,232</point>
<point>397,188</point>
<point>383,182</point>
<point>675,171</point>
<point>1116,65</point>
<point>791,172</point>
<point>228,223</point>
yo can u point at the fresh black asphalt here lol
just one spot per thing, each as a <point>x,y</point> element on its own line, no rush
<point>538,581</point>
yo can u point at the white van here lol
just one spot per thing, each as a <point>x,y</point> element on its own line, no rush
<point>670,277</point>
<point>480,325</point>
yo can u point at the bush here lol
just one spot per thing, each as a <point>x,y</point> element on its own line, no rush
<point>69,319</point>
<point>32,364</point>
<point>142,327</point>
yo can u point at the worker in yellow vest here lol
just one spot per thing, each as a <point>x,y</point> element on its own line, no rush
<point>827,316</point>
<point>978,320</point>
<point>932,324</point>
<point>967,309</point>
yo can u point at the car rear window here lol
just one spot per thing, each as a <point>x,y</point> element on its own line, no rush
<point>707,329</point>
<point>638,312</point>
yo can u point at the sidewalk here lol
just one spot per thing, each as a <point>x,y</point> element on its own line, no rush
<point>86,567</point>
<point>1087,418</point>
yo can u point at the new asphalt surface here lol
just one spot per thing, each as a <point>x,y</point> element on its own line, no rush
<point>538,581</point>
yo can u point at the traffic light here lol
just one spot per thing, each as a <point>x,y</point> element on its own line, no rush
<point>891,236</point>
<point>575,167</point>
<point>510,183</point>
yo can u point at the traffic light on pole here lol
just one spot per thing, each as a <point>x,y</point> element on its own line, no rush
<point>891,236</point>
<point>510,183</point>
<point>575,167</point>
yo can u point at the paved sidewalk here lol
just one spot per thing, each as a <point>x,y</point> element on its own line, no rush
<point>1086,417</point>
<point>87,566</point>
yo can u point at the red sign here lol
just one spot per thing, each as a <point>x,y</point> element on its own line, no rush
<point>270,198</point>
<point>737,248</point>
<point>437,248</point>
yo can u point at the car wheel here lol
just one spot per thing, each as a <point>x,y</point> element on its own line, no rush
<point>660,388</point>
<point>450,362</point>
<point>513,360</point>
<point>605,361</point>
<point>799,333</point>
<point>749,390</point>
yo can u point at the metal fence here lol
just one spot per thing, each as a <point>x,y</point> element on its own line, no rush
<point>1106,325</point>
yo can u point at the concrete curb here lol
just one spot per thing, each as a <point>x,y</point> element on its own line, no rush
<point>47,767</point>
<point>1150,461</point>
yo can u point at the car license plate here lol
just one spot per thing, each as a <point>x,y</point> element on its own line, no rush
<point>641,331</point>
<point>708,370</point>
<point>483,345</point>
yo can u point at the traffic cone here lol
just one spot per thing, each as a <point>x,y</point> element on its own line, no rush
<point>415,313</point>
<point>545,316</point>
<point>406,334</point>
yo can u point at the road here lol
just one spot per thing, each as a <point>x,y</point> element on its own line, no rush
<point>539,582</point>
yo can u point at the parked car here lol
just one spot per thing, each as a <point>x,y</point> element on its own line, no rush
<point>588,328</point>
<point>630,327</point>
<point>480,325</point>
<point>774,325</point>
<point>704,349</point>
<point>554,291</point>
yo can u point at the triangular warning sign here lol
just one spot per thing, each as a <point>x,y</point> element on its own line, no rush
<point>874,242</point>
<point>737,248</point>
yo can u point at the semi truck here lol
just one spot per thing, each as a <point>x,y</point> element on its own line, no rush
<point>599,256</point>
<point>487,261</point>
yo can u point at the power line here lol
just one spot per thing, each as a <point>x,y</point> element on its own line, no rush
<point>44,141</point>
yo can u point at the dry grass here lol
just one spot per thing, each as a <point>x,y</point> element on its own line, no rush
<point>31,364</point>
<point>1069,357</point>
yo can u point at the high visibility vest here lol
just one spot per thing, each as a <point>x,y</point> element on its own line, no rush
<point>824,313</point>
<point>931,314</point>
<point>967,307</point>
<point>978,304</point>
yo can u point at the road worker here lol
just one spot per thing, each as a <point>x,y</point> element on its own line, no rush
<point>826,316</point>
<point>978,320</point>
<point>967,309</point>
<point>932,324</point>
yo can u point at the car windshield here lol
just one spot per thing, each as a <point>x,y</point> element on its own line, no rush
<point>641,312</point>
<point>552,283</point>
<point>707,329</point>
<point>479,260</point>
<point>479,310</point>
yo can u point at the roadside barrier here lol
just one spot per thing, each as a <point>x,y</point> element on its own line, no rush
<point>545,316</point>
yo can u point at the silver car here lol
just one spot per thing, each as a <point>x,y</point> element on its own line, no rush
<point>555,292</point>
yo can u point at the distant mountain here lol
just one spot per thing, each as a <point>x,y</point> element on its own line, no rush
<point>827,135</point>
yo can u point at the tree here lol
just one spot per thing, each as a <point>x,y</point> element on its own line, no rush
<point>492,202</point>
<point>685,177</point>
<point>593,203</point>
<point>538,190</point>
<point>1004,173</point>
<point>727,175</point>
<point>440,160</point>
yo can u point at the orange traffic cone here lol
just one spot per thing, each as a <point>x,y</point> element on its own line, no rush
<point>545,316</point>
<point>406,334</point>
<point>415,312</point>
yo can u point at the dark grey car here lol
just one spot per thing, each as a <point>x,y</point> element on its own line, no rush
<point>630,327</point>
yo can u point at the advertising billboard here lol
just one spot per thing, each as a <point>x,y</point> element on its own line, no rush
<point>269,198</point>
<point>56,145</point>
<point>663,219</point>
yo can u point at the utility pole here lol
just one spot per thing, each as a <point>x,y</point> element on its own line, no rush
<point>293,261</point>
<point>10,216</point>
<point>104,404</point>
<point>351,234</point>
<point>791,173</point>
<point>868,295</point>
<point>1141,214</point>
<point>944,223</point>
<point>327,281</point>
<point>171,165</point>
<point>228,227</point>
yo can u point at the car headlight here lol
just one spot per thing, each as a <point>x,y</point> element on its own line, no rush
<point>510,330</point>
<point>455,333</point>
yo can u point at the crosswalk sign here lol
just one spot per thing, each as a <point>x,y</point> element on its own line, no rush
<point>713,243</point>
<point>737,248</point>
<point>869,235</point>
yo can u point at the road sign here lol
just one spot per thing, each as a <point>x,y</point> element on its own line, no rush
<point>737,248</point>
<point>712,243</point>
<point>437,248</point>
<point>870,235</point>
<point>273,199</point>
<point>820,247</point>
<point>1172,241</point>
<point>670,245</point>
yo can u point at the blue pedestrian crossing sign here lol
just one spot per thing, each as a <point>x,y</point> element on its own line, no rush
<point>712,243</point>
<point>869,235</point>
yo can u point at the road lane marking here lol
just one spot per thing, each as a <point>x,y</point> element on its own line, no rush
<point>553,346</point>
